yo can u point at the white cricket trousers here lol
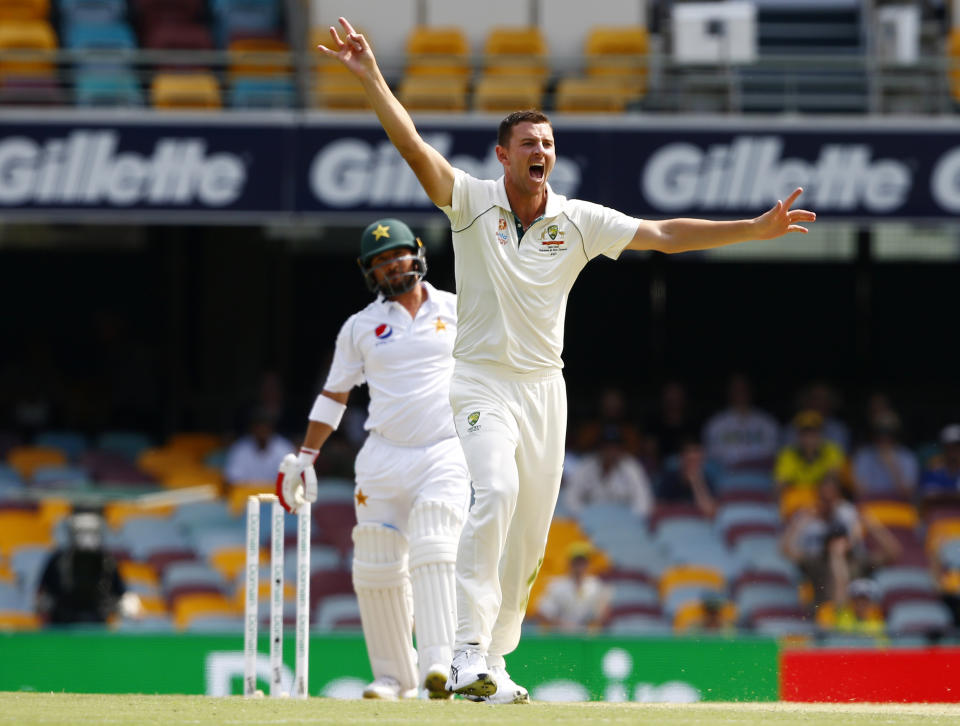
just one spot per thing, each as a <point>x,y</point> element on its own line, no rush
<point>512,428</point>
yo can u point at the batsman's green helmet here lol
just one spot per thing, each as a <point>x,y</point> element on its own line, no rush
<point>385,234</point>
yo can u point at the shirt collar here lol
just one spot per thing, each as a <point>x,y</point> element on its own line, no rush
<point>430,301</point>
<point>554,206</point>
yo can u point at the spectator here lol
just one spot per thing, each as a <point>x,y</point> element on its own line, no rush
<point>609,475</point>
<point>672,426</point>
<point>828,543</point>
<point>859,614</point>
<point>822,398</point>
<point>256,456</point>
<point>804,463</point>
<point>81,582</point>
<point>885,468</point>
<point>690,481</point>
<point>718,615</point>
<point>741,436</point>
<point>576,602</point>
<point>942,479</point>
<point>611,411</point>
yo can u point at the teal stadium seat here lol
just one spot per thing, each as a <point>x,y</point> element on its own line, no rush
<point>259,92</point>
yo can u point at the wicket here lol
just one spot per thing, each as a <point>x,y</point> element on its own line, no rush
<point>251,607</point>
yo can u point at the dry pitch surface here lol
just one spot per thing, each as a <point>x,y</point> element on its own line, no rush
<point>26,709</point>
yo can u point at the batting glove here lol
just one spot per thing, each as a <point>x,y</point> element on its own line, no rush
<point>297,480</point>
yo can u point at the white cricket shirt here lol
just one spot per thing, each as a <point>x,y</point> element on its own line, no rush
<point>407,364</point>
<point>512,293</point>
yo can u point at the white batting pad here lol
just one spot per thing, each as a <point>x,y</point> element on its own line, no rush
<point>382,584</point>
<point>434,535</point>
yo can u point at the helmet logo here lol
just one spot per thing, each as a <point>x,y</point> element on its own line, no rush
<point>383,331</point>
<point>381,232</point>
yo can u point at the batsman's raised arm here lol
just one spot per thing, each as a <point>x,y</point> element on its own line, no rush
<point>433,171</point>
<point>685,235</point>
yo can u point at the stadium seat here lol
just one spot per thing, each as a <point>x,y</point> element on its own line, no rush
<point>587,95</point>
<point>191,577</point>
<point>72,443</point>
<point>516,51</point>
<point>154,13</point>
<point>639,625</point>
<point>188,607</point>
<point>195,91</point>
<point>744,481</point>
<point>260,92</point>
<point>940,531</point>
<point>438,51</point>
<point>428,93</point>
<point>196,517</point>
<point>121,516</point>
<point>61,477</point>
<point>99,36</point>
<point>24,10</point>
<point>340,92</point>
<point>139,577</point>
<point>919,617</point>
<point>756,596</point>
<point>337,612</point>
<point>10,476</point>
<point>196,443</point>
<point>129,444</point>
<point>618,54</point>
<point>324,582</point>
<point>690,576</point>
<point>691,614</point>
<point>192,477</point>
<point>236,18</point>
<point>91,11</point>
<point>19,620</point>
<point>260,56</point>
<point>239,492</point>
<point>892,514</point>
<point>20,528</point>
<point>794,499</point>
<point>33,40</point>
<point>626,593</point>
<point>953,63</point>
<point>159,462</point>
<point>331,489</point>
<point>25,459</point>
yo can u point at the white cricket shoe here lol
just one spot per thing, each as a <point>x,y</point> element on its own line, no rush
<point>435,682</point>
<point>469,675</point>
<point>508,691</point>
<point>384,688</point>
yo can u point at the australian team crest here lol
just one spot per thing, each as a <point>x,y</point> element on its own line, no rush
<point>552,230</point>
<point>473,418</point>
<point>502,235</point>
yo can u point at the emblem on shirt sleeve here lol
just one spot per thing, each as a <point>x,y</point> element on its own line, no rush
<point>473,418</point>
<point>383,331</point>
<point>440,325</point>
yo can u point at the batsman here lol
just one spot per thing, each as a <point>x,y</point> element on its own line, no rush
<point>412,485</point>
<point>518,248</point>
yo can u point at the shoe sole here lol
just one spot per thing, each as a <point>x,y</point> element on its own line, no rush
<point>436,685</point>
<point>518,698</point>
<point>373,696</point>
<point>483,686</point>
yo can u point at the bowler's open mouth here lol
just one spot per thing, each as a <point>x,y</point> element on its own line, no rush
<point>536,172</point>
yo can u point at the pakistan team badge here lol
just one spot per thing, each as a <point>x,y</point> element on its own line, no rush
<point>553,230</point>
<point>473,418</point>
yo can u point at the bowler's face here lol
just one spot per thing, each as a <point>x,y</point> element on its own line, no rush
<point>529,156</point>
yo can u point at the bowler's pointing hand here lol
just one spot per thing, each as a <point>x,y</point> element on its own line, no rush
<point>781,220</point>
<point>353,51</point>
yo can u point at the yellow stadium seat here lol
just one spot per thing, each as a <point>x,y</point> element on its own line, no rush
<point>153,605</point>
<point>507,93</point>
<point>117,514</point>
<point>187,607</point>
<point>192,477</point>
<point>795,498</point>
<point>24,10</point>
<point>16,620</point>
<point>941,531</point>
<point>590,95</point>
<point>197,443</point>
<point>53,509</point>
<point>432,93</point>
<point>259,57</point>
<point>21,529</point>
<point>686,575</point>
<point>516,51</point>
<point>33,41</point>
<point>436,51</point>
<point>238,492</point>
<point>892,514</point>
<point>140,573</point>
<point>691,615</point>
<point>196,91</point>
<point>6,574</point>
<point>339,91</point>
<point>229,561</point>
<point>556,558</point>
<point>162,461</point>
<point>953,61</point>
<point>619,54</point>
<point>25,459</point>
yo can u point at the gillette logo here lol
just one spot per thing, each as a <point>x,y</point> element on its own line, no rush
<point>86,168</point>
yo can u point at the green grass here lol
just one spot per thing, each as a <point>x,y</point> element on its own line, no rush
<point>27,709</point>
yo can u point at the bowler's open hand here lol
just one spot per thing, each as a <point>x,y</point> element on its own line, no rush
<point>353,51</point>
<point>781,220</point>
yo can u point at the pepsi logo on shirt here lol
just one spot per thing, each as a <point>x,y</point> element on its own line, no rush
<point>383,331</point>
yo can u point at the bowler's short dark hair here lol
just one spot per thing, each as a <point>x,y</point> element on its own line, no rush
<point>518,117</point>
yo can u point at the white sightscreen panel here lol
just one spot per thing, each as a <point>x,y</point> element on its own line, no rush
<point>477,18</point>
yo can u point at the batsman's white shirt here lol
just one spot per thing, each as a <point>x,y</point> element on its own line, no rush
<point>407,364</point>
<point>512,294</point>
